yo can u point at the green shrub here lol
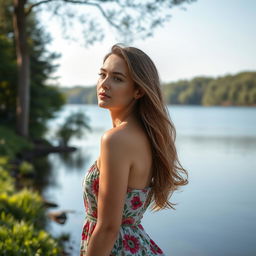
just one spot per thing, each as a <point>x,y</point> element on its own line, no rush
<point>11,143</point>
<point>24,205</point>
<point>6,182</point>
<point>22,215</point>
<point>26,168</point>
<point>21,238</point>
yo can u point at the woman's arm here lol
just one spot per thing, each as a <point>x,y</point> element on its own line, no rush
<point>113,182</point>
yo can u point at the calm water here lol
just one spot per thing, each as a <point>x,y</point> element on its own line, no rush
<point>215,213</point>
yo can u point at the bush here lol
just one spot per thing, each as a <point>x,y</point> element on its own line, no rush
<point>26,168</point>
<point>24,205</point>
<point>21,238</point>
<point>6,182</point>
<point>11,143</point>
<point>22,216</point>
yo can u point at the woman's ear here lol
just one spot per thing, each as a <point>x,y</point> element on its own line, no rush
<point>138,93</point>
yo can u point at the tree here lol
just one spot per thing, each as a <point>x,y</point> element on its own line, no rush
<point>19,27</point>
<point>74,125</point>
<point>8,67</point>
<point>45,100</point>
<point>127,17</point>
<point>194,92</point>
<point>7,80</point>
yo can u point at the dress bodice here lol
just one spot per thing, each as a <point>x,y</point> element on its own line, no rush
<point>135,202</point>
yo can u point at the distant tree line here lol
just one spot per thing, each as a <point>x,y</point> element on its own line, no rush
<point>229,90</point>
<point>79,94</point>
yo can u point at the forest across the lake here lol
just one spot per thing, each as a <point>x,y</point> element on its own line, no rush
<point>228,90</point>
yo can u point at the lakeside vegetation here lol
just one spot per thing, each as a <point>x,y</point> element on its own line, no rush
<point>229,90</point>
<point>22,210</point>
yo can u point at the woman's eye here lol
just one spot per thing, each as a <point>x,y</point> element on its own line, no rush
<point>118,79</point>
<point>102,75</point>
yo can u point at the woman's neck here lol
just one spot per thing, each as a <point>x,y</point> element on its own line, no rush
<point>122,118</point>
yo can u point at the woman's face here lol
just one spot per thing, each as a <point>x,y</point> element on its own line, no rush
<point>115,81</point>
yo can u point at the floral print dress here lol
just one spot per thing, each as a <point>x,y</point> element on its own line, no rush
<point>132,238</point>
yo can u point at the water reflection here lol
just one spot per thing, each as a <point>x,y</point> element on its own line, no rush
<point>74,161</point>
<point>44,174</point>
<point>241,144</point>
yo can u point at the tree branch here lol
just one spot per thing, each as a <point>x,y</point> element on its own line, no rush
<point>96,5</point>
<point>76,2</point>
<point>147,11</point>
<point>103,13</point>
<point>36,4</point>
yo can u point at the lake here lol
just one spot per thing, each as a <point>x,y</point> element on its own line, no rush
<point>215,213</point>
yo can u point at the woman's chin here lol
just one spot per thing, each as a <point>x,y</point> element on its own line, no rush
<point>102,104</point>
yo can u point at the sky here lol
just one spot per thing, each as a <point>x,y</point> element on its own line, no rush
<point>210,38</point>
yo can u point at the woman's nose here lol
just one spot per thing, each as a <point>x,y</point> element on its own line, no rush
<point>105,83</point>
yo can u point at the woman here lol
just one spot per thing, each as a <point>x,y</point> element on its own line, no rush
<point>138,163</point>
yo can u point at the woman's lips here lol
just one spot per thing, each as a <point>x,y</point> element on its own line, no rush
<point>103,95</point>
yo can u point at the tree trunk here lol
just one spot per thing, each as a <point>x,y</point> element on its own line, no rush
<point>23,95</point>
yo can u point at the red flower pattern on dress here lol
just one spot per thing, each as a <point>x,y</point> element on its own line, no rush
<point>95,214</point>
<point>91,168</point>
<point>95,186</point>
<point>140,227</point>
<point>131,243</point>
<point>154,248</point>
<point>136,202</point>
<point>85,230</point>
<point>128,221</point>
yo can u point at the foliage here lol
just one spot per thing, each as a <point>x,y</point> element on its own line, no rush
<point>185,92</point>
<point>74,125</point>
<point>130,19</point>
<point>232,90</point>
<point>24,205</point>
<point>8,66</point>
<point>11,144</point>
<point>45,100</point>
<point>7,80</point>
<point>238,90</point>
<point>22,238</point>
<point>26,168</point>
<point>22,217</point>
<point>6,181</point>
<point>79,94</point>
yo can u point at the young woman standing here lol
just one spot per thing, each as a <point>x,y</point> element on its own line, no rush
<point>138,164</point>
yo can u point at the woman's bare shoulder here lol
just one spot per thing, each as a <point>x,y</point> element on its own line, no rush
<point>118,141</point>
<point>115,148</point>
<point>118,135</point>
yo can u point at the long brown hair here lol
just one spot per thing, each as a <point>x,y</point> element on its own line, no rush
<point>154,116</point>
